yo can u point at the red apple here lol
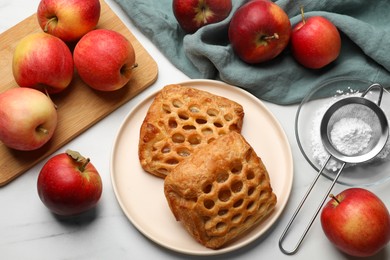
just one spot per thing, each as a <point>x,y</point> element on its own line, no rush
<point>43,62</point>
<point>104,59</point>
<point>28,118</point>
<point>357,222</point>
<point>68,19</point>
<point>259,31</point>
<point>194,14</point>
<point>315,42</point>
<point>68,184</point>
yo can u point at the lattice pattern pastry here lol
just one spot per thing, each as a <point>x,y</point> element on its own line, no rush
<point>221,191</point>
<point>180,120</point>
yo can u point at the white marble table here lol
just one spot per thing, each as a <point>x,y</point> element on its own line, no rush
<point>29,231</point>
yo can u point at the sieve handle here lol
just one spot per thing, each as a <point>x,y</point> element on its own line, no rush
<point>375,85</point>
<point>283,236</point>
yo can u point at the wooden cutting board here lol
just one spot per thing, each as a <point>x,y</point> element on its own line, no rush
<point>79,107</point>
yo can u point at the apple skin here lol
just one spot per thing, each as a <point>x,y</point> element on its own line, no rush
<point>315,42</point>
<point>359,224</point>
<point>43,62</point>
<point>104,59</point>
<point>68,19</point>
<point>69,184</point>
<point>28,118</point>
<point>259,31</point>
<point>194,14</point>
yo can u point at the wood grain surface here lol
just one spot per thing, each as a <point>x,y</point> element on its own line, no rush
<point>79,106</point>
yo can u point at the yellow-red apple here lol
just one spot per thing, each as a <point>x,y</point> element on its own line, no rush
<point>43,62</point>
<point>357,222</point>
<point>28,118</point>
<point>68,19</point>
<point>104,59</point>
<point>259,31</point>
<point>194,14</point>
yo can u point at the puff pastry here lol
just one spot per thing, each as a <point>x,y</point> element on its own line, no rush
<point>180,120</point>
<point>221,191</point>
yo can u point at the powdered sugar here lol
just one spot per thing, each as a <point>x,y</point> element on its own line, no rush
<point>350,136</point>
<point>320,155</point>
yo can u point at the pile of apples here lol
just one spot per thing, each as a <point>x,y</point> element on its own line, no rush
<point>260,30</point>
<point>44,64</point>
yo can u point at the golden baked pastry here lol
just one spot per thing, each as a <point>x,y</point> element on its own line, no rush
<point>221,191</point>
<point>181,119</point>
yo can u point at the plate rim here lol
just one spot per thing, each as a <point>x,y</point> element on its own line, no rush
<point>289,162</point>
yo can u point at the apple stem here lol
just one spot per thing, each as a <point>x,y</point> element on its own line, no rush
<point>53,19</point>
<point>334,197</point>
<point>204,15</point>
<point>78,158</point>
<point>272,37</point>
<point>126,69</point>
<point>42,130</point>
<point>85,163</point>
<point>303,15</point>
<point>48,95</point>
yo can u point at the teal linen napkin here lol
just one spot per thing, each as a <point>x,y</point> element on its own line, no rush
<point>365,54</point>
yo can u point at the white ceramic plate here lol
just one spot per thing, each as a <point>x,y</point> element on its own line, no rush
<point>141,195</point>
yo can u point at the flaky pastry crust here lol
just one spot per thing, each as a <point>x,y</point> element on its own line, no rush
<point>180,120</point>
<point>221,191</point>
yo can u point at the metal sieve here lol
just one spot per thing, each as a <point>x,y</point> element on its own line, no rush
<point>351,107</point>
